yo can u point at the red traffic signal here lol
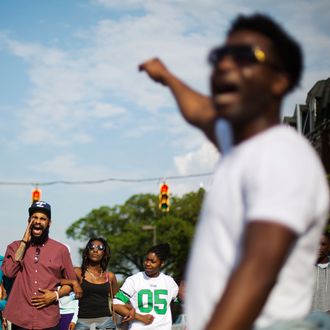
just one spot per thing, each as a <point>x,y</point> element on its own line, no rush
<point>36,195</point>
<point>164,198</point>
<point>164,188</point>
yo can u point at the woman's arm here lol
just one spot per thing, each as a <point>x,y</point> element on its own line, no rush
<point>74,284</point>
<point>114,283</point>
<point>126,313</point>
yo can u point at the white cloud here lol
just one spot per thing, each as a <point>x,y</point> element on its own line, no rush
<point>104,110</point>
<point>127,4</point>
<point>201,160</point>
<point>63,97</point>
<point>31,52</point>
<point>100,83</point>
<point>79,173</point>
<point>69,89</point>
<point>68,167</point>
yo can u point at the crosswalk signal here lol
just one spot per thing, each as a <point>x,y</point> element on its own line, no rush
<point>164,198</point>
<point>36,195</point>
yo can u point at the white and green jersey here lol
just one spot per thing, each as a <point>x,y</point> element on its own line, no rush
<point>149,295</point>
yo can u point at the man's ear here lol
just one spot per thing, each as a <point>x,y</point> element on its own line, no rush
<point>281,84</point>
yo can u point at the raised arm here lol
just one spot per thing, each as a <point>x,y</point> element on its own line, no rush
<point>265,249</point>
<point>196,108</point>
<point>15,254</point>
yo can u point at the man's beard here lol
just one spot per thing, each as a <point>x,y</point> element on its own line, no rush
<point>38,240</point>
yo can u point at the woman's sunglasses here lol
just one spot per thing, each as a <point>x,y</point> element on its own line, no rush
<point>99,247</point>
<point>242,55</point>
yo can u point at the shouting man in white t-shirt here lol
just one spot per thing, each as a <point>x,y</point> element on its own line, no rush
<point>256,241</point>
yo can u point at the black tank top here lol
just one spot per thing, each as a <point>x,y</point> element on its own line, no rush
<point>94,302</point>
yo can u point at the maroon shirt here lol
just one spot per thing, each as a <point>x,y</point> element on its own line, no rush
<point>54,263</point>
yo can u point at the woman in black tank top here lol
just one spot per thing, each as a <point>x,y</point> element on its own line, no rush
<point>95,281</point>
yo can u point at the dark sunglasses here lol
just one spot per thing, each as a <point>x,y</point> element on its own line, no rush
<point>37,254</point>
<point>99,247</point>
<point>242,55</point>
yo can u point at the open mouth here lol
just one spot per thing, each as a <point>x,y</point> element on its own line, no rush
<point>37,231</point>
<point>225,93</point>
<point>226,88</point>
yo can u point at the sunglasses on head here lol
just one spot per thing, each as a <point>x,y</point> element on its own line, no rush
<point>99,247</point>
<point>241,54</point>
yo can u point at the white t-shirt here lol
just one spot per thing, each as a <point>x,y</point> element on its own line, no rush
<point>149,295</point>
<point>69,305</point>
<point>276,176</point>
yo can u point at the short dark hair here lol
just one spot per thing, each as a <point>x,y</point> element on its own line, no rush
<point>162,251</point>
<point>326,234</point>
<point>287,49</point>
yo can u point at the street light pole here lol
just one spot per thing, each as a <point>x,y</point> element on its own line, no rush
<point>154,230</point>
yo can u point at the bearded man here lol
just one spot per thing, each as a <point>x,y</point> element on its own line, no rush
<point>37,263</point>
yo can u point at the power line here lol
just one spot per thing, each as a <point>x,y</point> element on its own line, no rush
<point>67,182</point>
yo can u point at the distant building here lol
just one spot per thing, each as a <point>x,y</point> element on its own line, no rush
<point>313,120</point>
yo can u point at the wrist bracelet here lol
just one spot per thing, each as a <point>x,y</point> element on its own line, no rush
<point>25,242</point>
<point>57,295</point>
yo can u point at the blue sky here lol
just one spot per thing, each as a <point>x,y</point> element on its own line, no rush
<point>74,107</point>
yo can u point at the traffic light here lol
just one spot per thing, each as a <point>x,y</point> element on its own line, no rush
<point>36,195</point>
<point>164,198</point>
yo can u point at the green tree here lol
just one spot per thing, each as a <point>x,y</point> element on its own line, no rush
<point>121,226</point>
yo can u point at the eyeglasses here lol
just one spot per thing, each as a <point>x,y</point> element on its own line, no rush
<point>37,254</point>
<point>99,247</point>
<point>243,55</point>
